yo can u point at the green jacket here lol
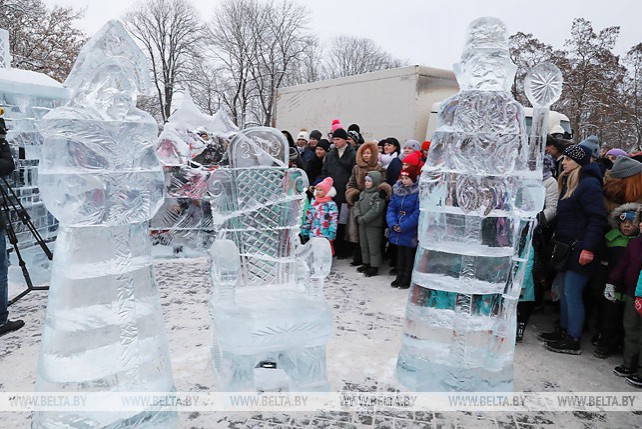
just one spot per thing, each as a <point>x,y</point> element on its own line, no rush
<point>370,207</point>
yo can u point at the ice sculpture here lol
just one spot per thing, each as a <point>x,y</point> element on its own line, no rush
<point>479,190</point>
<point>26,96</point>
<point>100,177</point>
<point>270,318</point>
<point>183,225</point>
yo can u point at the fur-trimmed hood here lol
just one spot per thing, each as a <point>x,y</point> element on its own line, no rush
<point>614,216</point>
<point>374,155</point>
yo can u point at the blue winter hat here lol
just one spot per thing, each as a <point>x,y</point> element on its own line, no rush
<point>578,153</point>
<point>593,143</point>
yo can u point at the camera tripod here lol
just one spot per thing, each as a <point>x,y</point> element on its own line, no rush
<point>12,203</point>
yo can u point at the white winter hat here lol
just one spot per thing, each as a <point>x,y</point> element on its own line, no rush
<point>303,135</point>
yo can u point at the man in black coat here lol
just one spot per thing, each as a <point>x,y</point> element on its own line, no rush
<point>338,165</point>
<point>6,167</point>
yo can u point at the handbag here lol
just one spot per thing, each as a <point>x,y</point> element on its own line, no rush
<point>561,255</point>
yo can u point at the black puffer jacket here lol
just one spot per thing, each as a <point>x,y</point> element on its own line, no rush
<point>340,169</point>
<point>6,166</point>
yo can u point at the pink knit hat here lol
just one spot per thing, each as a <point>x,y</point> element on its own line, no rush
<point>336,125</point>
<point>326,185</point>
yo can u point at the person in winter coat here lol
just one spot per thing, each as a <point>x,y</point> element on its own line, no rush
<point>403,219</point>
<point>581,224</point>
<point>321,217</point>
<point>623,184</point>
<point>338,165</point>
<point>625,278</point>
<point>631,369</point>
<point>369,210</point>
<point>391,160</point>
<point>366,161</point>
<point>535,270</point>
<point>625,221</point>
<point>315,165</point>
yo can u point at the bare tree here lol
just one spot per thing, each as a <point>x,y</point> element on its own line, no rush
<point>633,90</point>
<point>592,80</point>
<point>172,35</point>
<point>257,46</point>
<point>351,55</point>
<point>42,39</point>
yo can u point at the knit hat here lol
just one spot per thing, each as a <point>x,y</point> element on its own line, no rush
<point>628,211</point>
<point>324,144</point>
<point>336,125</point>
<point>326,184</point>
<point>414,144</point>
<point>578,153</point>
<point>625,167</point>
<point>354,127</point>
<point>315,134</point>
<point>340,133</point>
<point>354,135</point>
<point>303,135</point>
<point>425,145</point>
<point>412,159</point>
<point>616,152</point>
<point>411,171</point>
<point>593,143</point>
<point>548,166</point>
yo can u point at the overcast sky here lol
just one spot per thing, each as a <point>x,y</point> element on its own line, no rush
<point>427,32</point>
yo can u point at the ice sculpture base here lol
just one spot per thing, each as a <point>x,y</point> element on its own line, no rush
<point>420,376</point>
<point>145,420</point>
<point>271,325</point>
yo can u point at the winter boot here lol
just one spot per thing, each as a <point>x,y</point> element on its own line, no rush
<point>10,326</point>
<point>521,327</point>
<point>623,371</point>
<point>556,335</point>
<point>371,271</point>
<point>363,268</point>
<point>634,380</point>
<point>396,282</point>
<point>569,345</point>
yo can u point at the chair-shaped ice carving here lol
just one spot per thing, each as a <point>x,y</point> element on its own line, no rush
<point>270,319</point>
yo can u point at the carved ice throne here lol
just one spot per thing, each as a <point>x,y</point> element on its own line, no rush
<point>271,322</point>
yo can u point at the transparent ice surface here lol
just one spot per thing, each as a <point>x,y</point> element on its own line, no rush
<point>271,322</point>
<point>26,96</point>
<point>100,177</point>
<point>183,224</point>
<point>478,196</point>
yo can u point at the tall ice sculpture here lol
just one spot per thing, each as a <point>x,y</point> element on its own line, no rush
<point>100,177</point>
<point>479,191</point>
<point>271,322</point>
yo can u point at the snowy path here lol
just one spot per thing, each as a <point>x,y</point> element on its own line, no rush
<point>361,356</point>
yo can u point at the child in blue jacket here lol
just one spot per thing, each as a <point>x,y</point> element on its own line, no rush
<point>403,218</point>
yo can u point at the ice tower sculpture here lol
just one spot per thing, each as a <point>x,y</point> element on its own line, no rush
<point>100,177</point>
<point>183,225</point>
<point>270,318</point>
<point>479,191</point>
<point>26,96</point>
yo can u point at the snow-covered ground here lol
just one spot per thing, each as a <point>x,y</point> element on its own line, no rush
<point>361,356</point>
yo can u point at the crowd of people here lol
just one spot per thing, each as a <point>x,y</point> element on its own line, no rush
<point>586,252</point>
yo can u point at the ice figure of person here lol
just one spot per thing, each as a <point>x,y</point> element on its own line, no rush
<point>100,177</point>
<point>191,146</point>
<point>271,322</point>
<point>479,191</point>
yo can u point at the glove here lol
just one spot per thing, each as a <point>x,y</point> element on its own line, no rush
<point>609,292</point>
<point>586,257</point>
<point>638,304</point>
<point>396,228</point>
